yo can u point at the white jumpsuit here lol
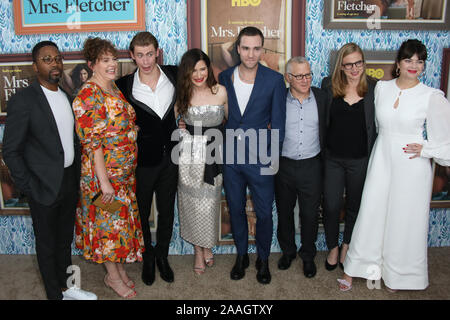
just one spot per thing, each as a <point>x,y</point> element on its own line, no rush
<point>389,239</point>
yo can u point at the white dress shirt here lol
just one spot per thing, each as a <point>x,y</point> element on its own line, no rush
<point>158,100</point>
<point>62,112</point>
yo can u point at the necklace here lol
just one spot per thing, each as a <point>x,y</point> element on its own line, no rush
<point>111,91</point>
<point>251,81</point>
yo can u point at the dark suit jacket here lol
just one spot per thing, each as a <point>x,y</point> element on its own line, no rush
<point>154,135</point>
<point>32,148</point>
<point>321,100</point>
<point>267,104</point>
<point>369,109</point>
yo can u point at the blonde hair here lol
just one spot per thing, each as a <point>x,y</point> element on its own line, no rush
<point>339,79</point>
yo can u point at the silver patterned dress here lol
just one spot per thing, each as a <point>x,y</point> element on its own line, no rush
<point>198,201</point>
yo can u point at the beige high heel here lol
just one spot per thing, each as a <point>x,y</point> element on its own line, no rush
<point>113,285</point>
<point>130,283</point>
<point>199,270</point>
<point>209,261</point>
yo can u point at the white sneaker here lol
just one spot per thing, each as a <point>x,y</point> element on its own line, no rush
<point>75,293</point>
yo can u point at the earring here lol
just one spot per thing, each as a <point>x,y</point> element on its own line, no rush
<point>397,71</point>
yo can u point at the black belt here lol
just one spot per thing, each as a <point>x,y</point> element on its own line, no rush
<point>214,169</point>
<point>317,156</point>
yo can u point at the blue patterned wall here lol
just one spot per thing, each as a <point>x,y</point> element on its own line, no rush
<point>166,19</point>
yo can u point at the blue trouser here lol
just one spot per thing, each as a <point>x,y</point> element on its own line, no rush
<point>236,180</point>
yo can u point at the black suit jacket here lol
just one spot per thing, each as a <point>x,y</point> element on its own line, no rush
<point>154,135</point>
<point>32,148</point>
<point>321,101</point>
<point>369,109</point>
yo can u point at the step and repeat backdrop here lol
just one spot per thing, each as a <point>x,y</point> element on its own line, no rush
<point>315,29</point>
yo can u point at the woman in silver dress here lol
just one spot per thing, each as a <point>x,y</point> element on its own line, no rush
<point>202,103</point>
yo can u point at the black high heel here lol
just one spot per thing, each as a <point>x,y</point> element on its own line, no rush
<point>331,267</point>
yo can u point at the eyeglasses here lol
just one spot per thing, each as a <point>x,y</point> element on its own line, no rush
<point>299,77</point>
<point>349,66</point>
<point>50,59</point>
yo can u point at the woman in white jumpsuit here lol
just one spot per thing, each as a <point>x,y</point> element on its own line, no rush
<point>389,240</point>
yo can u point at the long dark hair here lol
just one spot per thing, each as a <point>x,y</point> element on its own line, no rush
<point>184,84</point>
<point>407,50</point>
<point>75,75</point>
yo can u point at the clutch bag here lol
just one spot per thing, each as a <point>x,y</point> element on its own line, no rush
<point>110,207</point>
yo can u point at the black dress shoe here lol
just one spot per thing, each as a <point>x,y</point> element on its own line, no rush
<point>148,270</point>
<point>238,271</point>
<point>263,275</point>
<point>165,271</point>
<point>309,269</point>
<point>285,261</point>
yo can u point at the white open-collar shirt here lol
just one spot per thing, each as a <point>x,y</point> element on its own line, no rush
<point>160,99</point>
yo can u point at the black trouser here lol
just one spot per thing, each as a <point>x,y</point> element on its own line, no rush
<point>340,174</point>
<point>302,180</point>
<point>53,229</point>
<point>161,179</point>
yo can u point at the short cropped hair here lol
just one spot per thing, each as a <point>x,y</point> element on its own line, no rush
<point>39,46</point>
<point>298,60</point>
<point>251,32</point>
<point>143,39</point>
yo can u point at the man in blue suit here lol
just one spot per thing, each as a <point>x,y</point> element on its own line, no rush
<point>256,112</point>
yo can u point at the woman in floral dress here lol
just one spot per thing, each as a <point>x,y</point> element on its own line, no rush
<point>106,128</point>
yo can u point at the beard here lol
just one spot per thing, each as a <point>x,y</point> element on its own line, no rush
<point>54,78</point>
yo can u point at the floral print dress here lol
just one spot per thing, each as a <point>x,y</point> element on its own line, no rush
<point>107,121</point>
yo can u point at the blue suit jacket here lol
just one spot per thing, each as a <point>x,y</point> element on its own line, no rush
<point>266,107</point>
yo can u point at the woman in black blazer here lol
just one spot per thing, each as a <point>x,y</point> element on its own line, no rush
<point>350,137</point>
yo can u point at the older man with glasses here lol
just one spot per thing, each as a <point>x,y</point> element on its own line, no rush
<point>300,173</point>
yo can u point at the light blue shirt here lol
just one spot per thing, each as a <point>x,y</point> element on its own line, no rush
<point>301,139</point>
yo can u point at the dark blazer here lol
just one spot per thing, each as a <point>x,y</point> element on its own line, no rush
<point>32,148</point>
<point>267,104</point>
<point>321,100</point>
<point>154,135</point>
<point>369,109</point>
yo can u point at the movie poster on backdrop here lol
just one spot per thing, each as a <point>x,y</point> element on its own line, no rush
<point>57,16</point>
<point>387,14</point>
<point>379,64</point>
<point>223,20</point>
